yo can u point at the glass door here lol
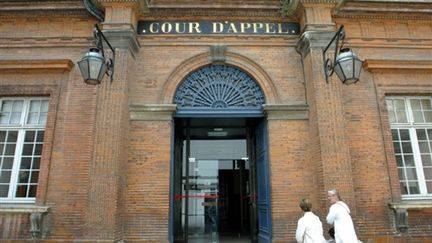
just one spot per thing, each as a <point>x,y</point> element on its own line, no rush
<point>214,192</point>
<point>218,199</point>
<point>214,181</point>
<point>202,200</point>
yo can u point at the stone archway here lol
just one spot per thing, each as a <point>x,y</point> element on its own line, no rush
<point>240,62</point>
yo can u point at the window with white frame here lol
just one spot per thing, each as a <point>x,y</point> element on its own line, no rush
<point>411,125</point>
<point>22,125</point>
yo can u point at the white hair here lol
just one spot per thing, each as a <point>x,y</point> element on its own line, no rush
<point>334,192</point>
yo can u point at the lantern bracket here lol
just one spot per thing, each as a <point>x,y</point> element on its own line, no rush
<point>99,37</point>
<point>329,64</point>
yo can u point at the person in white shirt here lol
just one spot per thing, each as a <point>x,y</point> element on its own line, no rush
<point>339,216</point>
<point>309,227</point>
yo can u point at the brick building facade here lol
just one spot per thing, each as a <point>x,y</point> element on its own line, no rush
<point>106,163</point>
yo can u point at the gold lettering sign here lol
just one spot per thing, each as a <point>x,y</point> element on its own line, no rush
<point>217,28</point>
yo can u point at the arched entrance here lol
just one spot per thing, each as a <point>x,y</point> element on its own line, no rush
<point>220,184</point>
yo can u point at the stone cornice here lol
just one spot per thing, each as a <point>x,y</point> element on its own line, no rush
<point>175,8</point>
<point>380,64</point>
<point>35,42</point>
<point>392,16</point>
<point>375,9</point>
<point>181,13</point>
<point>33,65</point>
<point>363,9</point>
<point>42,8</point>
<point>403,43</point>
<point>152,112</point>
<point>215,4</point>
<point>289,111</point>
<point>41,5</point>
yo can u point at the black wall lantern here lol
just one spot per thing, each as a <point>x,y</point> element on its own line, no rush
<point>345,63</point>
<point>93,65</point>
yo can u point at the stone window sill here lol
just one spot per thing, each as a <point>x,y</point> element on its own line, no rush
<point>35,213</point>
<point>411,204</point>
<point>400,210</point>
<point>22,208</point>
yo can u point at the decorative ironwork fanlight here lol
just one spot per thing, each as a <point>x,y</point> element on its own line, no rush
<point>219,87</point>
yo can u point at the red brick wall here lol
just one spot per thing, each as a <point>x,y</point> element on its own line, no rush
<point>146,196</point>
<point>136,179</point>
<point>291,176</point>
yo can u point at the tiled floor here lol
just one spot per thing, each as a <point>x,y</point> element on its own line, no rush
<point>234,240</point>
<point>217,239</point>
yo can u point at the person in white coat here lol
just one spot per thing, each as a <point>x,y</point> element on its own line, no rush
<point>309,227</point>
<point>339,216</point>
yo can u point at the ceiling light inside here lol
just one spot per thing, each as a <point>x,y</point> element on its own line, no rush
<point>217,133</point>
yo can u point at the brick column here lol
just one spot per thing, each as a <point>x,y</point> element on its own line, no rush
<point>108,167</point>
<point>147,196</point>
<point>329,147</point>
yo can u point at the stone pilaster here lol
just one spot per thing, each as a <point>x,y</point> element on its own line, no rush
<point>329,146</point>
<point>108,168</point>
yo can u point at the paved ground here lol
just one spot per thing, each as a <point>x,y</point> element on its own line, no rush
<point>217,239</point>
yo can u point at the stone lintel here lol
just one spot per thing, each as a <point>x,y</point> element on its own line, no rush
<point>152,112</point>
<point>36,64</point>
<point>293,111</point>
<point>377,64</point>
